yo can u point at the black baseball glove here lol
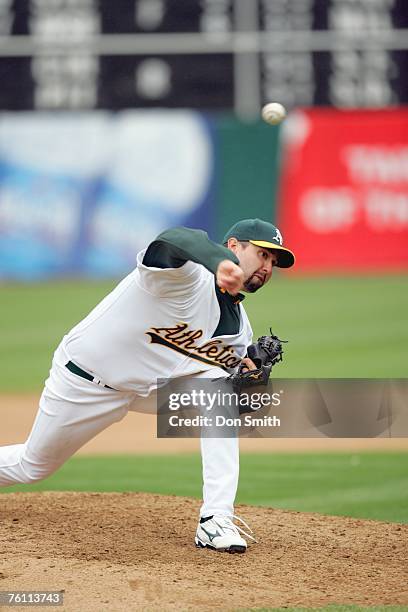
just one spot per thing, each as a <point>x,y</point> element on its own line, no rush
<point>265,353</point>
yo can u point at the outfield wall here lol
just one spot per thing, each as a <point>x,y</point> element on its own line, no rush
<point>81,193</point>
<point>344,186</point>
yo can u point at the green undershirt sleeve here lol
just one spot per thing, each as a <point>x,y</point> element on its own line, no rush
<point>173,247</point>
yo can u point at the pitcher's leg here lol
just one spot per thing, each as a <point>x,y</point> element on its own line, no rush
<point>220,458</point>
<point>61,427</point>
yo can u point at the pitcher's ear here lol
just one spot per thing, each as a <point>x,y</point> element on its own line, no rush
<point>232,243</point>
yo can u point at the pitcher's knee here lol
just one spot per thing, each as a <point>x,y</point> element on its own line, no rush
<point>34,472</point>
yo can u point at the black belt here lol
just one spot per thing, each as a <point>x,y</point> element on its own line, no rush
<point>72,367</point>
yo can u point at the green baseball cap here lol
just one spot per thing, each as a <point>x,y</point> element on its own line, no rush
<point>262,234</point>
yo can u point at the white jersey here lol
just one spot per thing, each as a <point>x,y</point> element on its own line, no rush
<point>157,323</point>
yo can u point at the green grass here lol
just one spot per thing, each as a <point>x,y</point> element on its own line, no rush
<point>336,326</point>
<point>33,320</point>
<point>366,485</point>
<point>355,327</point>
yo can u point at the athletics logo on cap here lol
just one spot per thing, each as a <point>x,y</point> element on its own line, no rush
<point>278,236</point>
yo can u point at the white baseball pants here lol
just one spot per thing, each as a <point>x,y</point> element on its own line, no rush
<point>73,410</point>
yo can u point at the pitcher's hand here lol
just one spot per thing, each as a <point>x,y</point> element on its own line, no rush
<point>229,276</point>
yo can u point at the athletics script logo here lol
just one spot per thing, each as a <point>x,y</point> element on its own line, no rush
<point>183,340</point>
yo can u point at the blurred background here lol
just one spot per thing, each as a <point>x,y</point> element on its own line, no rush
<point>119,119</point>
<point>122,118</point>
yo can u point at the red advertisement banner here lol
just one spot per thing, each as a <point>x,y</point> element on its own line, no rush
<point>344,189</point>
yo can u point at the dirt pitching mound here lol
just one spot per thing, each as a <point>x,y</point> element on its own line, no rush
<point>134,551</point>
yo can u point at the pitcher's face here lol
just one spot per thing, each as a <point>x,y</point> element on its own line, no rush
<point>256,262</point>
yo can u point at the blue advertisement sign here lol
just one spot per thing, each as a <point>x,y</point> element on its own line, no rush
<point>81,194</point>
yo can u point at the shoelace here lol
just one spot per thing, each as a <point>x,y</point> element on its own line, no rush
<point>237,527</point>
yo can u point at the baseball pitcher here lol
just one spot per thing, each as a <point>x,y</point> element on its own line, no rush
<point>185,284</point>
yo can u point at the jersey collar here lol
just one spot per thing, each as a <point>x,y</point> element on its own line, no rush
<point>235,299</point>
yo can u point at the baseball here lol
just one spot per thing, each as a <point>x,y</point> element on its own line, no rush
<point>273,113</point>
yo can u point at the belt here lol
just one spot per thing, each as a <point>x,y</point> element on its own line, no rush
<point>72,367</point>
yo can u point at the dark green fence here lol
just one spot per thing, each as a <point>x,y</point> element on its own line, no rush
<point>247,171</point>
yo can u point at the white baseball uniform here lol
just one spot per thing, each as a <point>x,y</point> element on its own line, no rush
<point>166,319</point>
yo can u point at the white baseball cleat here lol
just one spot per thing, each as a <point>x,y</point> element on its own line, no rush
<point>220,533</point>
